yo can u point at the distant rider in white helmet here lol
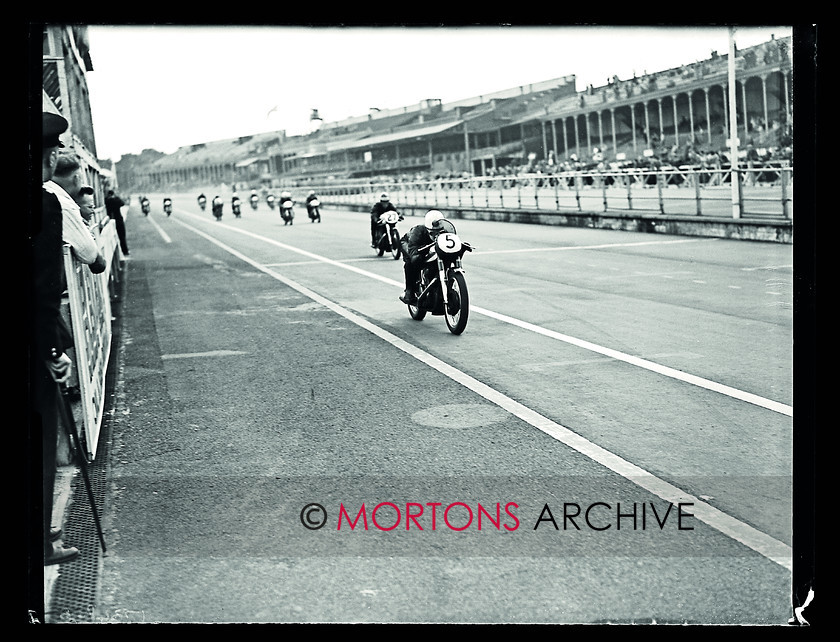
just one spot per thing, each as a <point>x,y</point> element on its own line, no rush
<point>411,242</point>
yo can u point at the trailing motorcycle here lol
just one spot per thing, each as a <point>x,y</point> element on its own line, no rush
<point>270,200</point>
<point>389,235</point>
<point>255,200</point>
<point>145,206</point>
<point>218,207</point>
<point>167,206</point>
<point>236,207</point>
<point>314,208</point>
<point>442,288</point>
<point>287,212</point>
<point>202,202</point>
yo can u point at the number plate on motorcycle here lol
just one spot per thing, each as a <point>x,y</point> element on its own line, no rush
<point>449,243</point>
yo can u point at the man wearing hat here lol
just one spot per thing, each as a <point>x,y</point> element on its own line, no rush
<point>49,365</point>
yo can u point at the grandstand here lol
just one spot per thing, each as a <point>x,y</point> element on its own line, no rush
<point>674,116</point>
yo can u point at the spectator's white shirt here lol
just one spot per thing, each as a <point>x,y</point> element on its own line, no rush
<point>75,231</point>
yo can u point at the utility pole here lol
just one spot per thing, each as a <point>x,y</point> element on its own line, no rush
<point>734,177</point>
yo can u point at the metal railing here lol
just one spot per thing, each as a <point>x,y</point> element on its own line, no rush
<point>764,192</point>
<point>88,308</point>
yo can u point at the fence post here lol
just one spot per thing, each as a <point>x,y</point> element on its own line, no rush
<point>785,176</point>
<point>696,178</point>
<point>659,180</point>
<point>603,188</point>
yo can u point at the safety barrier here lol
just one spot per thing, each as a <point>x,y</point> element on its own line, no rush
<point>765,192</point>
<point>88,308</point>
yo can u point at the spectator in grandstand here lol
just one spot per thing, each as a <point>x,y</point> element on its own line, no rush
<point>380,207</point>
<point>113,207</point>
<point>50,337</point>
<point>65,185</point>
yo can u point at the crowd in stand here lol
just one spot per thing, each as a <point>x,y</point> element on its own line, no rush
<point>688,155</point>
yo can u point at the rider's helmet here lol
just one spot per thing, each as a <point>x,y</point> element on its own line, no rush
<point>432,220</point>
<point>384,197</point>
<point>311,192</point>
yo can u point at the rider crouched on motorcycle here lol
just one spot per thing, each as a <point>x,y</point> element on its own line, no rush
<point>384,205</point>
<point>309,198</point>
<point>218,206</point>
<point>417,237</point>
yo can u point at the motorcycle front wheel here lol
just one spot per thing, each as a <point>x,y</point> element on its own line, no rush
<point>396,250</point>
<point>458,309</point>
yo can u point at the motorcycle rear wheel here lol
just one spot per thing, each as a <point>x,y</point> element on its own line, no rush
<point>456,320</point>
<point>418,314</point>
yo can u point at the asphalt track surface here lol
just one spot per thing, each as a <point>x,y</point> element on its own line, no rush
<point>609,440</point>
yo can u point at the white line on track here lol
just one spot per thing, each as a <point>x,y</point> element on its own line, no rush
<point>673,373</point>
<point>160,230</point>
<point>764,544</point>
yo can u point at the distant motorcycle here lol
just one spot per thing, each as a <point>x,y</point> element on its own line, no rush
<point>218,207</point>
<point>389,235</point>
<point>255,200</point>
<point>270,200</point>
<point>167,206</point>
<point>145,206</point>
<point>236,207</point>
<point>442,288</point>
<point>287,212</point>
<point>314,207</point>
<point>202,202</point>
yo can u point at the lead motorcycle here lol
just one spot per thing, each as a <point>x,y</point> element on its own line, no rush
<point>167,206</point>
<point>389,235</point>
<point>442,288</point>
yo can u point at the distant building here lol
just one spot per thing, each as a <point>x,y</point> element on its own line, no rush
<point>66,60</point>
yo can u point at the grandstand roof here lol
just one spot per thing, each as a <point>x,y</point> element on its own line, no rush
<point>394,136</point>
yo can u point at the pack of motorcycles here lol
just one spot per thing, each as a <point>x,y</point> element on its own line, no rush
<point>441,289</point>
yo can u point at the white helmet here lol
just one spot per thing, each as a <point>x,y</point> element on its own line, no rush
<point>432,218</point>
<point>384,197</point>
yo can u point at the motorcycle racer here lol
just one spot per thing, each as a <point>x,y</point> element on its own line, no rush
<point>411,242</point>
<point>285,197</point>
<point>309,198</point>
<point>383,205</point>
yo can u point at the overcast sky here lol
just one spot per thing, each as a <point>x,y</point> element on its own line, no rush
<point>163,87</point>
